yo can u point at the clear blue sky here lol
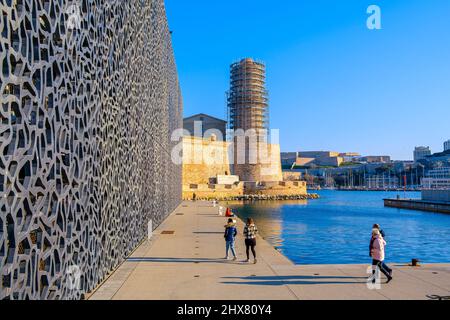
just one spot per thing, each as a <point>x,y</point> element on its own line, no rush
<point>333,84</point>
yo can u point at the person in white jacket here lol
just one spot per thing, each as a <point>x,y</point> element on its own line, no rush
<point>377,244</point>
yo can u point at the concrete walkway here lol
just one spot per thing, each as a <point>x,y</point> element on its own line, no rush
<point>189,265</point>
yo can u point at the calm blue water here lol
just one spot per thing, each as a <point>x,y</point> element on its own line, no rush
<point>336,229</point>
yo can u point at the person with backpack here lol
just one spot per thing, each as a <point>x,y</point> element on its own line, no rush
<point>250,232</point>
<point>375,226</point>
<point>377,245</point>
<point>230,238</point>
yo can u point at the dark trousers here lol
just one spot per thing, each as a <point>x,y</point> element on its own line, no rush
<point>383,267</point>
<point>250,243</point>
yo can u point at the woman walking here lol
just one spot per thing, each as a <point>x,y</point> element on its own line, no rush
<point>250,232</point>
<point>377,245</point>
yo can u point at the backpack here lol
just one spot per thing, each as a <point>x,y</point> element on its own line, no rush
<point>372,240</point>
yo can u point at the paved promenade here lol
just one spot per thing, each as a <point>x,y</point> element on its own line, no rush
<point>188,264</point>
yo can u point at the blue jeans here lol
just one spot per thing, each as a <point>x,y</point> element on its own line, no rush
<point>230,245</point>
<point>383,267</point>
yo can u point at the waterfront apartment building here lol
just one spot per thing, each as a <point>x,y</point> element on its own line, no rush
<point>447,145</point>
<point>437,179</point>
<point>421,153</point>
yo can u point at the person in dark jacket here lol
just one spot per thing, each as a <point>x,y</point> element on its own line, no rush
<point>230,238</point>
<point>377,226</point>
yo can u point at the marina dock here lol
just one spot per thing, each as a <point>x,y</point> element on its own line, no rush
<point>417,204</point>
<point>433,200</point>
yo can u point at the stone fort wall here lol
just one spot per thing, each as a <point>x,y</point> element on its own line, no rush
<point>89,97</point>
<point>267,166</point>
<point>204,159</point>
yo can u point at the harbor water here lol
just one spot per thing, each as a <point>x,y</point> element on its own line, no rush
<point>336,228</point>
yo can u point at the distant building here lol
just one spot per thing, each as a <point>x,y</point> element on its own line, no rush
<point>288,158</point>
<point>350,156</point>
<point>421,153</point>
<point>437,179</point>
<point>447,145</point>
<point>375,159</point>
<point>317,158</point>
<point>329,161</point>
<point>305,162</point>
<point>208,123</point>
<point>323,158</point>
<point>318,154</point>
<point>437,160</point>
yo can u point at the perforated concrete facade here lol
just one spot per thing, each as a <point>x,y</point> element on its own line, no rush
<point>89,97</point>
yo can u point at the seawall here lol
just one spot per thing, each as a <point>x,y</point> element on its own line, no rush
<point>422,205</point>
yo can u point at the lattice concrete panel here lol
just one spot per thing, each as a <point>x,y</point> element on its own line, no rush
<point>89,97</point>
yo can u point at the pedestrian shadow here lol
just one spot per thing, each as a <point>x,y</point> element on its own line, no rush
<point>207,232</point>
<point>210,215</point>
<point>293,280</point>
<point>179,260</point>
